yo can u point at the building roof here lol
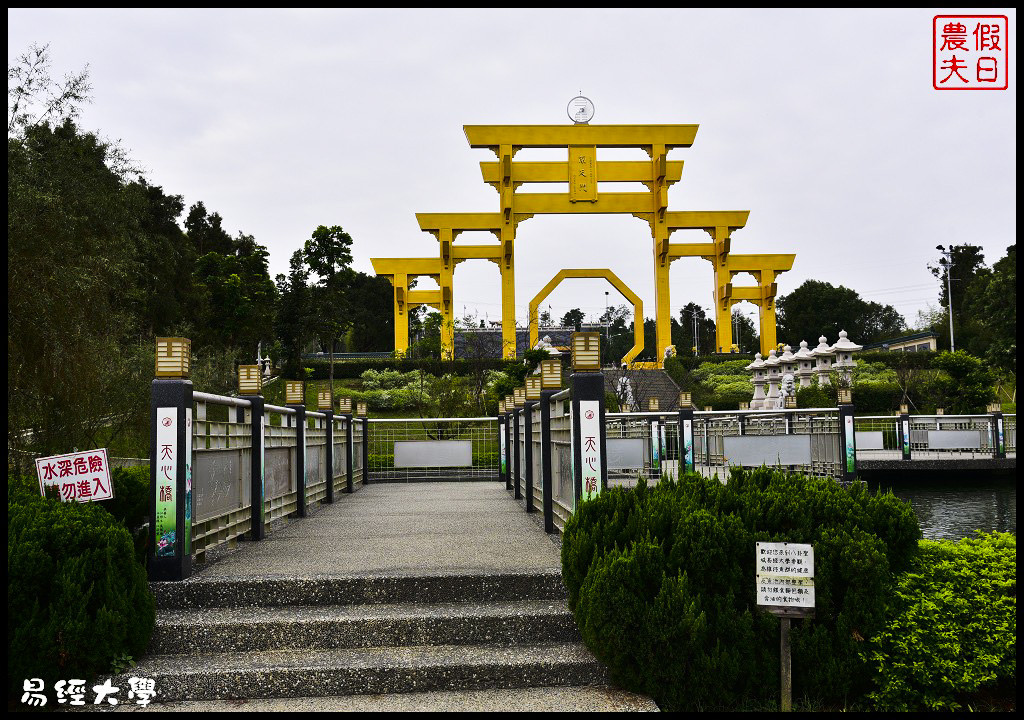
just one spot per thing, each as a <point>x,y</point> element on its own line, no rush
<point>903,339</point>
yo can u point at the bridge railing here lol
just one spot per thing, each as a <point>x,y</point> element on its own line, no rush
<point>935,437</point>
<point>407,450</point>
<point>223,468</point>
<point>641,444</point>
<point>806,441</point>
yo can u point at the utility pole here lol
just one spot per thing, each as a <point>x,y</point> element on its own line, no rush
<point>947,261</point>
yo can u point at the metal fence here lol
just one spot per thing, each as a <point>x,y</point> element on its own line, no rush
<point>805,441</point>
<point>222,465</point>
<point>933,437</point>
<point>434,449</point>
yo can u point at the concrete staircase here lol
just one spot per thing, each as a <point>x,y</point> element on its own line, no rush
<point>323,637</point>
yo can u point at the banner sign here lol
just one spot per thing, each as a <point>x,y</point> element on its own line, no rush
<point>590,447</point>
<point>655,450</point>
<point>82,476</point>
<point>785,575</point>
<point>501,440</point>
<point>188,481</point>
<point>166,480</point>
<point>687,453</point>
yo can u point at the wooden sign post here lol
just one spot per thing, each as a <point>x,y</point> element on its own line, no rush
<point>785,588</point>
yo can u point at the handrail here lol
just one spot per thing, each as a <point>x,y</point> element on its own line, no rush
<point>279,409</point>
<point>944,417</point>
<point>315,414</point>
<point>561,395</point>
<point>220,399</point>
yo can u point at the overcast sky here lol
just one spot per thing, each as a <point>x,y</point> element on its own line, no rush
<point>823,124</point>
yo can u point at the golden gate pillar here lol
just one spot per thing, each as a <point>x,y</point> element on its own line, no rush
<point>767,312</point>
<point>445,281</point>
<point>401,284</point>
<point>508,293</point>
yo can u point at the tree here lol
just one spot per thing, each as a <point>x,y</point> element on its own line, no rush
<point>328,253</point>
<point>682,332</point>
<point>745,336</point>
<point>292,321</point>
<point>72,231</point>
<point>818,308</point>
<point>573,318</point>
<point>35,99</point>
<point>372,317</point>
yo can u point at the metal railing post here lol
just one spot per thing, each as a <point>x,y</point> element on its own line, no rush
<point>348,452</point>
<point>329,457</point>
<point>170,481</point>
<point>847,444</point>
<point>300,457</point>
<point>502,469</point>
<point>545,459</point>
<point>903,433</point>
<point>257,472</point>
<point>998,436</point>
<point>528,451</point>
<point>515,457</point>
<point>686,459</point>
<point>366,451</point>
<point>588,407</point>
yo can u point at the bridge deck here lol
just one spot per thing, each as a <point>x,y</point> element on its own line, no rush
<point>401,528</point>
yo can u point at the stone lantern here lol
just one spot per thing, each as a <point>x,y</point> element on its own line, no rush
<point>844,350</point>
<point>772,365</point>
<point>823,357</point>
<point>758,370</point>
<point>805,364</point>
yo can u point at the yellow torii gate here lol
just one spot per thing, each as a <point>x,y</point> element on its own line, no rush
<point>638,305</point>
<point>582,171</point>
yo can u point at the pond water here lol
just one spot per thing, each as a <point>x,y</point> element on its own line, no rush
<point>954,509</point>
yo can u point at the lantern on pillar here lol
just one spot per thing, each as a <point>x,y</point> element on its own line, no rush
<point>551,374</point>
<point>685,399</point>
<point>533,387</point>
<point>510,403</point>
<point>520,396</point>
<point>173,357</point>
<point>586,351</point>
<point>345,406</point>
<point>324,400</point>
<point>250,380</point>
<point>294,392</point>
<point>652,404</point>
<point>845,396</point>
<point>361,409</point>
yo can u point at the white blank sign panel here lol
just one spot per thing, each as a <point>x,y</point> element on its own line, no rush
<point>433,453</point>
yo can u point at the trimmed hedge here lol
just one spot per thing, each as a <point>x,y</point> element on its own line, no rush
<point>77,599</point>
<point>661,581</point>
<point>952,630</point>
<point>352,369</point>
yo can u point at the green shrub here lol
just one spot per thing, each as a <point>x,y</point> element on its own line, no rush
<point>77,600</point>
<point>130,505</point>
<point>952,628</point>
<point>661,582</point>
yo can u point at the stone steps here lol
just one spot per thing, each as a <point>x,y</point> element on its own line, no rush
<point>276,637</point>
<point>592,698</point>
<point>222,630</point>
<point>279,591</point>
<point>371,670</point>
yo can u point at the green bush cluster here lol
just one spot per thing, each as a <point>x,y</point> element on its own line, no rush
<point>661,581</point>
<point>952,628</point>
<point>351,369</point>
<point>130,505</point>
<point>77,599</point>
